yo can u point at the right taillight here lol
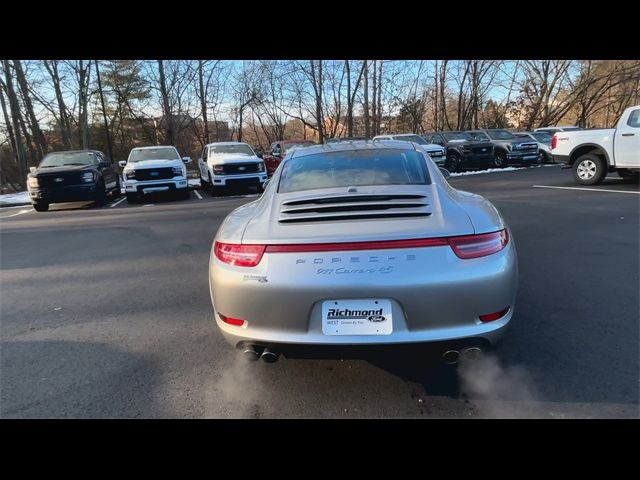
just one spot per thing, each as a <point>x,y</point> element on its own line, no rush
<point>474,246</point>
<point>239,254</point>
<point>554,142</point>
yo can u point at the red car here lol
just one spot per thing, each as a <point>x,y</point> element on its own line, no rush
<point>277,151</point>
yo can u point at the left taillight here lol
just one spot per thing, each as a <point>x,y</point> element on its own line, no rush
<point>238,254</point>
<point>474,246</point>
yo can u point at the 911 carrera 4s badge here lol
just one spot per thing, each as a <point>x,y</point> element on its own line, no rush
<point>357,317</point>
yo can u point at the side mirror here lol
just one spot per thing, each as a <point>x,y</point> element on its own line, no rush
<point>33,169</point>
<point>445,173</point>
<point>186,159</point>
<point>122,163</point>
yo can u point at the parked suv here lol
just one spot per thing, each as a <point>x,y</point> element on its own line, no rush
<point>509,149</point>
<point>230,164</point>
<point>72,176</point>
<point>436,152</point>
<point>463,152</point>
<point>155,169</point>
<point>279,149</point>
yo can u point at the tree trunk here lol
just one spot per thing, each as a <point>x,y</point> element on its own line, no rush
<point>7,121</point>
<point>374,101</point>
<point>367,125</point>
<point>379,120</point>
<point>84,74</point>
<point>41,142</point>
<point>16,120</point>
<point>203,101</point>
<point>65,127</point>
<point>104,113</point>
<point>166,108</point>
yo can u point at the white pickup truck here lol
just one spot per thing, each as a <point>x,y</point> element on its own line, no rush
<point>593,153</point>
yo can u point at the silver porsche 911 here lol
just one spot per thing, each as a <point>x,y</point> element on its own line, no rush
<point>362,243</point>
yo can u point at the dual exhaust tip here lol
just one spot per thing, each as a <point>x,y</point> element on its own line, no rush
<point>253,353</point>
<point>451,357</point>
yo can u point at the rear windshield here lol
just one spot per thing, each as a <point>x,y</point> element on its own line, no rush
<point>160,153</point>
<point>542,137</point>
<point>354,168</point>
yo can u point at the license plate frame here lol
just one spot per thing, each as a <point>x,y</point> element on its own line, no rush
<point>361,316</point>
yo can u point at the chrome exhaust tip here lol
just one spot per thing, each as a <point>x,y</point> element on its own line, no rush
<point>451,357</point>
<point>471,353</point>
<point>269,355</point>
<point>250,354</point>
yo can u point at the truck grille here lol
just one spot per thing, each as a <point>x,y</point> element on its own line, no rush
<point>435,153</point>
<point>482,150</point>
<point>353,207</point>
<point>526,147</point>
<point>53,180</point>
<point>239,168</point>
<point>154,173</point>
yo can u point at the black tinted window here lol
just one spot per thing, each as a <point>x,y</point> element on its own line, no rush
<point>634,119</point>
<point>354,168</point>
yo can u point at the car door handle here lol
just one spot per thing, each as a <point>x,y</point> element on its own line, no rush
<point>628,134</point>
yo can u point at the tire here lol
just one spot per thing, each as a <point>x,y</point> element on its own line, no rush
<point>132,198</point>
<point>41,207</point>
<point>453,163</point>
<point>542,157</point>
<point>500,160</point>
<point>213,190</point>
<point>116,192</point>
<point>184,194</point>
<point>101,195</point>
<point>629,174</point>
<point>204,183</point>
<point>589,170</point>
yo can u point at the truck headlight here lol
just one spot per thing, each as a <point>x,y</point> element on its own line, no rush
<point>87,177</point>
<point>261,167</point>
<point>33,182</point>
<point>130,174</point>
<point>218,169</point>
<point>177,171</point>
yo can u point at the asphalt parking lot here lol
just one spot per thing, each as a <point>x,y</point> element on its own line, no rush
<point>105,312</point>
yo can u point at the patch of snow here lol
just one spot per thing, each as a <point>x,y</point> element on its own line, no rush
<point>19,198</point>
<point>489,170</point>
<point>194,182</point>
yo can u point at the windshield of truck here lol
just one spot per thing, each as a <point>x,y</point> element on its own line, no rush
<point>68,158</point>
<point>501,135</point>
<point>160,153</point>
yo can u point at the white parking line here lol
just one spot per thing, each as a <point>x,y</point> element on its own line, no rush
<point>586,189</point>
<point>20,213</point>
<point>198,194</point>
<point>115,204</point>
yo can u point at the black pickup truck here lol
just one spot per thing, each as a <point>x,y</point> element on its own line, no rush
<point>463,152</point>
<point>72,176</point>
<point>509,149</point>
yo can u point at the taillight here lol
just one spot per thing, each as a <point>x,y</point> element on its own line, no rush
<point>238,254</point>
<point>474,246</point>
<point>554,141</point>
<point>232,321</point>
<point>490,317</point>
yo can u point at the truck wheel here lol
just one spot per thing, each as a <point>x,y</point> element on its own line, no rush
<point>629,174</point>
<point>542,157</point>
<point>589,170</point>
<point>132,197</point>
<point>41,207</point>
<point>500,160</point>
<point>117,191</point>
<point>101,195</point>
<point>454,163</point>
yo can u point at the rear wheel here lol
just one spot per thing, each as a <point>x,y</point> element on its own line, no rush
<point>589,170</point>
<point>500,160</point>
<point>454,162</point>
<point>41,207</point>
<point>542,157</point>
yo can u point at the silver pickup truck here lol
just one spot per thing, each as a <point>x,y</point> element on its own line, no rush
<point>594,152</point>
